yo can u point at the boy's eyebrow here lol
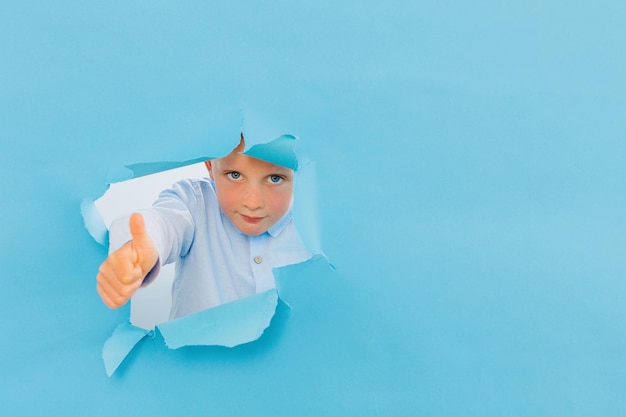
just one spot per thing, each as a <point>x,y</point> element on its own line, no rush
<point>225,164</point>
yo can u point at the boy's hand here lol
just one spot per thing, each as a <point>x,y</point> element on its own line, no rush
<point>123,271</point>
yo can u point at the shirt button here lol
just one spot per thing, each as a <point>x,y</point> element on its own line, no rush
<point>258,259</point>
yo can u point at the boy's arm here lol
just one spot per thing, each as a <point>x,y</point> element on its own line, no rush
<point>123,272</point>
<point>171,228</point>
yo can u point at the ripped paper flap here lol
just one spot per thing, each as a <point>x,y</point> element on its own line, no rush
<point>124,338</point>
<point>231,324</point>
<point>280,151</point>
<point>93,221</point>
<point>148,168</point>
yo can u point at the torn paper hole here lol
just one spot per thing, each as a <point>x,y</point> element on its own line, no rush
<point>229,324</point>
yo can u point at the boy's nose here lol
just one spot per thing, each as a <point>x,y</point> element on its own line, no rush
<point>253,198</point>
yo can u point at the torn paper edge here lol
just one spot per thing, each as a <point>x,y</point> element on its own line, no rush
<point>280,151</point>
<point>117,347</point>
<point>230,324</point>
<point>93,221</point>
<point>148,168</point>
<point>179,333</point>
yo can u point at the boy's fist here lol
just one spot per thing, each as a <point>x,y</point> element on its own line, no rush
<point>123,271</point>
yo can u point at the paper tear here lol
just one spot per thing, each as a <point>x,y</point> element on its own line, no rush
<point>148,168</point>
<point>231,324</point>
<point>141,169</point>
<point>235,323</point>
<point>124,338</point>
<point>280,151</point>
<point>119,174</point>
<point>93,221</point>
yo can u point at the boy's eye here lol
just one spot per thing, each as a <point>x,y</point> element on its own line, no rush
<point>234,175</point>
<point>276,179</point>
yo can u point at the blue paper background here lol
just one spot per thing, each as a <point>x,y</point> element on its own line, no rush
<point>470,161</point>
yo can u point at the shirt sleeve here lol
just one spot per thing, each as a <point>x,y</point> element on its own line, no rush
<point>169,222</point>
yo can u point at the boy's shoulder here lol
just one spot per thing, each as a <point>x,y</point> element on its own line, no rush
<point>193,192</point>
<point>199,181</point>
<point>195,184</point>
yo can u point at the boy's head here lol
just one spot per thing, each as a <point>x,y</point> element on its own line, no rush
<point>254,194</point>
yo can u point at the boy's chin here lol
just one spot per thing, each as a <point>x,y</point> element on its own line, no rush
<point>251,229</point>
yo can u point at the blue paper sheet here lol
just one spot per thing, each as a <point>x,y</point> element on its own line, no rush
<point>472,189</point>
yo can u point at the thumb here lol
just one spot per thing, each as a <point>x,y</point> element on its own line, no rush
<point>141,240</point>
<point>137,228</point>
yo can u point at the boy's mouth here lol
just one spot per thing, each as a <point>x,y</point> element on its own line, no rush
<point>250,219</point>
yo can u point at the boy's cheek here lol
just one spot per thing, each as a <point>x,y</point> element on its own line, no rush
<point>226,198</point>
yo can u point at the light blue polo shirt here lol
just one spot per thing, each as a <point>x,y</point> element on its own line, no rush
<point>215,262</point>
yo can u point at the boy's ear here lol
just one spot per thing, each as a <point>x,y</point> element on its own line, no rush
<point>209,167</point>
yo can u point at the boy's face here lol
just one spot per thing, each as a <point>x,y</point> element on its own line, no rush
<point>253,194</point>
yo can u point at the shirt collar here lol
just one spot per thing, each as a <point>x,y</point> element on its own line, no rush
<point>280,225</point>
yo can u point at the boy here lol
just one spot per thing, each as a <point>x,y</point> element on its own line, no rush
<point>225,233</point>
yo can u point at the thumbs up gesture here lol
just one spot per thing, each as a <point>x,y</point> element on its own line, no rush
<point>122,273</point>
